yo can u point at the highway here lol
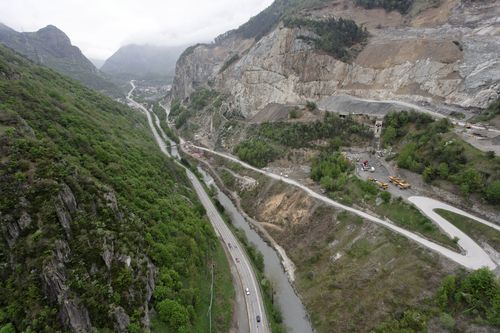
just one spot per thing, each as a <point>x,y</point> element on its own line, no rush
<point>474,257</point>
<point>253,298</point>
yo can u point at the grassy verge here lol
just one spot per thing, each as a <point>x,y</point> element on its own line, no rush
<point>476,230</point>
<point>257,260</point>
<point>335,174</point>
<point>223,293</point>
<point>410,218</point>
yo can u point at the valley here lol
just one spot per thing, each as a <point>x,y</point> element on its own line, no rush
<point>323,166</point>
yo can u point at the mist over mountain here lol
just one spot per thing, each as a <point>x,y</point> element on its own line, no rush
<point>97,62</point>
<point>143,62</point>
<point>51,47</point>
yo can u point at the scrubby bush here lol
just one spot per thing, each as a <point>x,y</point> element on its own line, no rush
<point>402,6</point>
<point>428,147</point>
<point>256,152</point>
<point>335,36</point>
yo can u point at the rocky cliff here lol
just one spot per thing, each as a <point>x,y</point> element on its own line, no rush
<point>51,47</point>
<point>443,52</point>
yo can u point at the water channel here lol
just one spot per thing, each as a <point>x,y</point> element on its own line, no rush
<point>294,315</point>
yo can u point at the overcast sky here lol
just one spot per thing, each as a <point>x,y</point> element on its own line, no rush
<point>100,27</point>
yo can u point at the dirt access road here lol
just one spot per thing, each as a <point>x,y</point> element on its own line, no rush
<point>473,258</point>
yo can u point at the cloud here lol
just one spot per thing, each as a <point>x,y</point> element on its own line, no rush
<point>100,27</point>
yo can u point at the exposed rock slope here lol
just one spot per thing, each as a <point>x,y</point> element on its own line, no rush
<point>443,55</point>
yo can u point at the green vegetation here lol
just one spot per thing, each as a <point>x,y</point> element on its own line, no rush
<point>295,113</point>
<point>410,218</point>
<point>256,152</point>
<point>61,137</point>
<point>430,148</point>
<point>234,58</point>
<point>491,112</point>
<point>261,24</point>
<point>311,106</point>
<point>179,113</point>
<point>267,142</point>
<point>473,296</point>
<point>199,100</point>
<point>274,314</point>
<point>160,113</point>
<point>344,132</point>
<point>334,173</point>
<point>257,259</point>
<point>331,170</point>
<point>402,6</point>
<point>474,229</point>
<point>335,36</point>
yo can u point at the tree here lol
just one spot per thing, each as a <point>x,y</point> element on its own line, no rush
<point>9,328</point>
<point>385,196</point>
<point>493,192</point>
<point>311,106</point>
<point>446,291</point>
<point>172,313</point>
<point>428,174</point>
<point>479,289</point>
<point>443,170</point>
<point>389,135</point>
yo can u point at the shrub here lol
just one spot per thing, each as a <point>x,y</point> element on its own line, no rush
<point>385,196</point>
<point>402,6</point>
<point>493,192</point>
<point>311,106</point>
<point>447,320</point>
<point>9,328</point>
<point>335,36</point>
<point>172,313</point>
<point>256,152</point>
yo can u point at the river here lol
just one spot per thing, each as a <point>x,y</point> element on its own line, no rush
<point>294,315</point>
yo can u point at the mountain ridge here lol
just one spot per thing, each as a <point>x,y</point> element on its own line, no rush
<point>437,54</point>
<point>143,61</point>
<point>51,47</point>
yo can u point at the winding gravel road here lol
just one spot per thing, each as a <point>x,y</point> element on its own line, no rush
<point>473,258</point>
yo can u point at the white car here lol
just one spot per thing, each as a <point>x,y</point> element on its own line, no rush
<point>247,291</point>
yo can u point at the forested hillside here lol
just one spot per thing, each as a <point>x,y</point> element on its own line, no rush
<point>97,226</point>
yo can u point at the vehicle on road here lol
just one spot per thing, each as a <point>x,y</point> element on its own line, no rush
<point>258,318</point>
<point>247,291</point>
<point>237,259</point>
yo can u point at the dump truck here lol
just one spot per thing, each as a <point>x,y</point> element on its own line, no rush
<point>382,185</point>
<point>399,182</point>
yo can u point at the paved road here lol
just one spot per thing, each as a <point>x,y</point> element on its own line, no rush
<point>475,257</point>
<point>254,301</point>
<point>422,109</point>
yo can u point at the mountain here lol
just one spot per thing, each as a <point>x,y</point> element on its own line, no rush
<point>431,52</point>
<point>51,47</point>
<point>99,232</point>
<point>97,62</point>
<point>309,90</point>
<point>143,62</point>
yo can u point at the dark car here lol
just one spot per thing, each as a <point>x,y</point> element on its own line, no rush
<point>258,318</point>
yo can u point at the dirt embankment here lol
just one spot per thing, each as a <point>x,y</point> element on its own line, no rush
<point>351,274</point>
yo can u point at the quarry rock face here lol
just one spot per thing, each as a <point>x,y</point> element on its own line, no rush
<point>446,55</point>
